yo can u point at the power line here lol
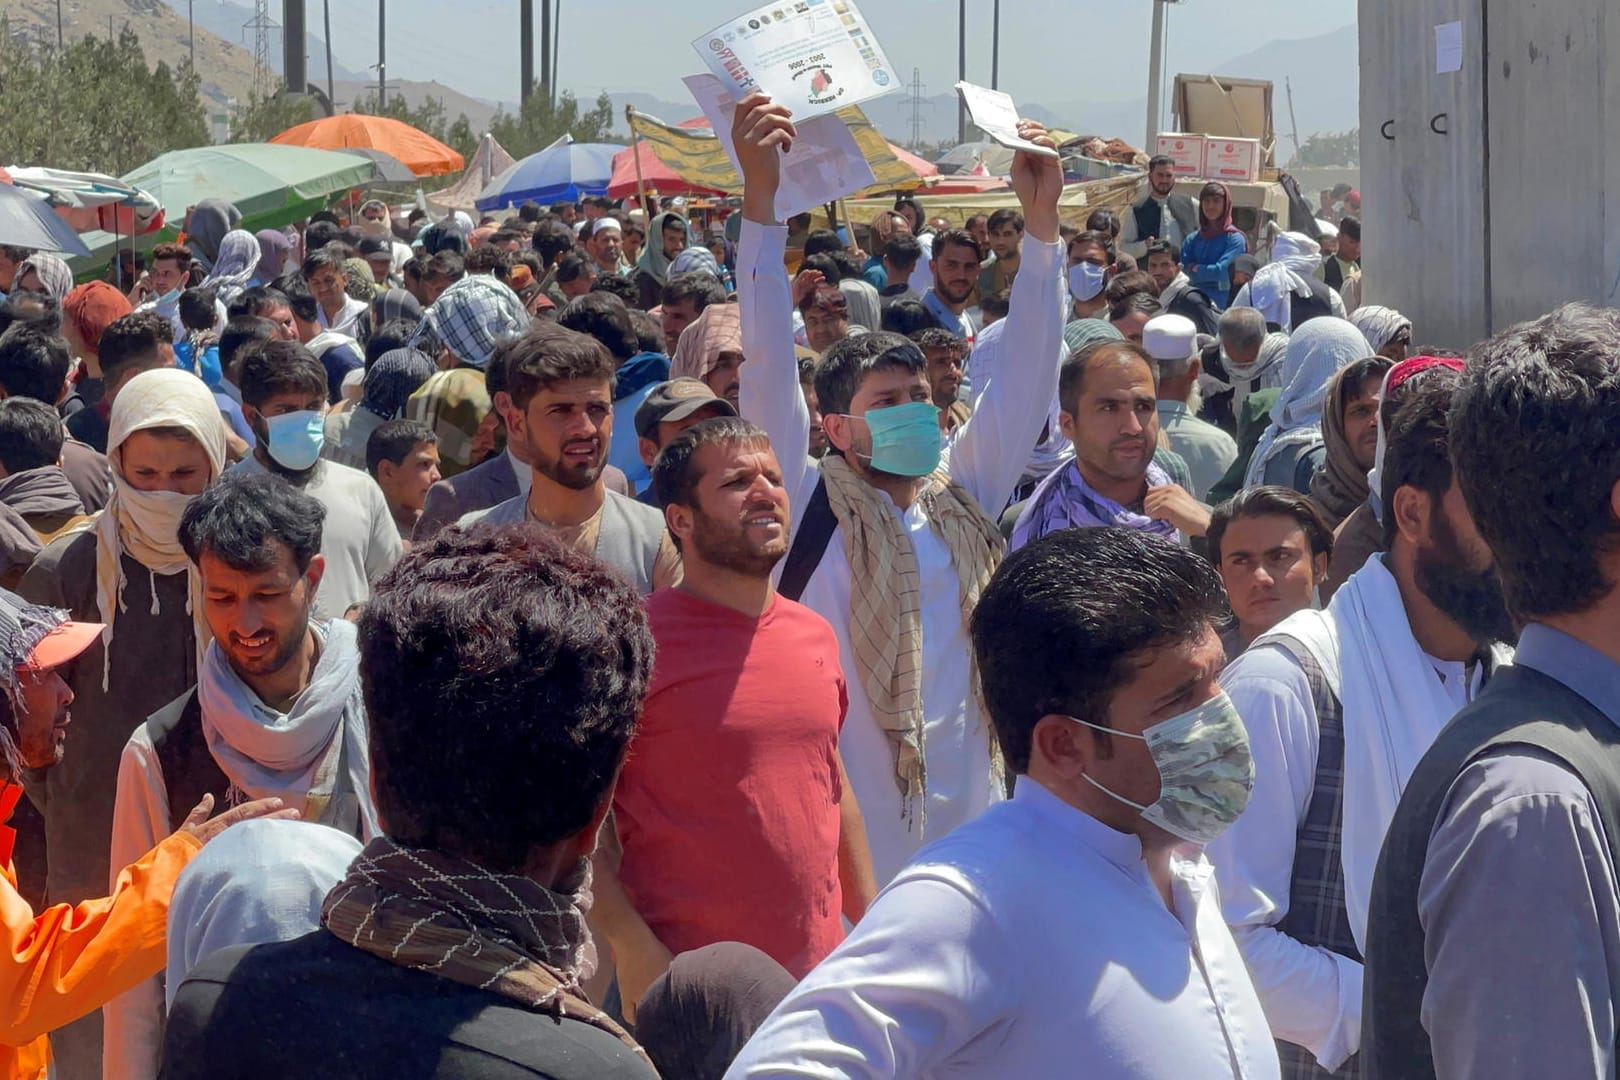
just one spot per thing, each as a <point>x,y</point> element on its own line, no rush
<point>261,24</point>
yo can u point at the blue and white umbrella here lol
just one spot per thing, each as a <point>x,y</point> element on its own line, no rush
<point>562,172</point>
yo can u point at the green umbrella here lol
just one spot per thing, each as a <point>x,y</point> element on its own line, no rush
<point>271,185</point>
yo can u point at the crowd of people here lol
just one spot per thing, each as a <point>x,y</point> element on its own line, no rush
<point>617,646</point>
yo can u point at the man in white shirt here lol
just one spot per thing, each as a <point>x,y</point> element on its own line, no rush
<point>1340,705</point>
<point>1161,215</point>
<point>1073,930</point>
<point>1172,340</point>
<point>339,312</point>
<point>917,749</point>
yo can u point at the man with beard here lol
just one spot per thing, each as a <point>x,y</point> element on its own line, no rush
<point>947,359</point>
<point>1161,215</point>
<point>735,764</point>
<point>561,383</point>
<point>1340,706</point>
<point>284,399</point>
<point>276,712</point>
<point>955,265</point>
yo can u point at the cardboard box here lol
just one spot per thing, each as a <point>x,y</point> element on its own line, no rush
<point>1186,150</point>
<point>1234,160</point>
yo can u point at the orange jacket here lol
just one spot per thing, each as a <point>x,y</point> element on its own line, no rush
<point>68,961</point>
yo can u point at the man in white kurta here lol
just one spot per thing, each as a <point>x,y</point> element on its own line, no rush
<point>986,459</point>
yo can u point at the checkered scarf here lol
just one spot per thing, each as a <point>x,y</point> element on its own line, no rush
<point>471,317</point>
<point>504,933</point>
<point>885,606</point>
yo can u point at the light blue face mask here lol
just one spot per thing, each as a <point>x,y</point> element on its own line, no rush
<point>1086,280</point>
<point>905,438</point>
<point>296,439</point>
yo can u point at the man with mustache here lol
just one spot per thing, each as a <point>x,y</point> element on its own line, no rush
<point>956,261</point>
<point>1340,706</point>
<point>735,762</point>
<point>561,385</point>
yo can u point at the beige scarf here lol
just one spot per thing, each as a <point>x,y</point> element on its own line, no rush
<point>885,604</point>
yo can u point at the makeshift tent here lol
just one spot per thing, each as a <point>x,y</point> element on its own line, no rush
<point>418,151</point>
<point>488,162</point>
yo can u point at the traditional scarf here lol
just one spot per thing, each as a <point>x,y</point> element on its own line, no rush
<point>695,259</point>
<point>1379,325</point>
<point>391,381</point>
<point>1393,378</point>
<point>1294,258</point>
<point>471,317</point>
<point>505,933</point>
<point>653,260</point>
<point>54,276</point>
<point>145,525</point>
<point>1338,485</point>
<point>295,755</point>
<point>358,280</point>
<point>865,308</point>
<point>211,219</point>
<point>93,307</point>
<point>717,329</point>
<point>1316,352</point>
<point>1065,501</point>
<point>238,259</point>
<point>274,247</point>
<point>258,882</point>
<point>45,490</point>
<point>1214,230</point>
<point>1263,373</point>
<point>885,620</point>
<point>393,304</point>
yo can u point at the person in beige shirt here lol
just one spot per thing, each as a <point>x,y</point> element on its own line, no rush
<point>561,384</point>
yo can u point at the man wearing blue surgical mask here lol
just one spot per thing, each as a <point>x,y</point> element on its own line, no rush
<point>1074,929</point>
<point>1091,267</point>
<point>284,398</point>
<point>892,542</point>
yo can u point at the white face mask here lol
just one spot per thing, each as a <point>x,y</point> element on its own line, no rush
<point>1205,770</point>
<point>1086,280</point>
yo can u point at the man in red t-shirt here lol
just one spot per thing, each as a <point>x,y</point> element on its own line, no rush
<point>732,812</point>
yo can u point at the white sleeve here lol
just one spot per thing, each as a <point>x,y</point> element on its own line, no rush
<point>1312,997</point>
<point>990,452</point>
<point>133,1022</point>
<point>1128,242</point>
<point>1337,303</point>
<point>383,547</point>
<point>769,394</point>
<point>924,973</point>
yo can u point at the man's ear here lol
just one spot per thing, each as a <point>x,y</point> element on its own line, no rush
<point>1412,509</point>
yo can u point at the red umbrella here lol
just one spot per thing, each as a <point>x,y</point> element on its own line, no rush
<point>654,173</point>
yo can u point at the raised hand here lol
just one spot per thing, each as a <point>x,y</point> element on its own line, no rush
<point>762,131</point>
<point>1038,181</point>
<point>205,828</point>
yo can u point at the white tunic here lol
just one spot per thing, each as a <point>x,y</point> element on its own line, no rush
<point>1029,943</point>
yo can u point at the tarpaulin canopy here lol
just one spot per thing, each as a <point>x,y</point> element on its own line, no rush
<point>658,176</point>
<point>89,201</point>
<point>417,150</point>
<point>488,162</point>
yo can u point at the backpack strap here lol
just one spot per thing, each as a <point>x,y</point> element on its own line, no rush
<point>809,544</point>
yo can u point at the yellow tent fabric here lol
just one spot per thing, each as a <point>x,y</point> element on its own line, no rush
<point>697,157</point>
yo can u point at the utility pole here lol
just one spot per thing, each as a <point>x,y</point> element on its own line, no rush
<point>961,70</point>
<point>525,50</point>
<point>546,76</point>
<point>191,27</point>
<point>1292,122</point>
<point>382,53</point>
<point>995,46</point>
<point>59,43</point>
<point>331,88</point>
<point>1155,72</point>
<point>556,51</point>
<point>294,64</point>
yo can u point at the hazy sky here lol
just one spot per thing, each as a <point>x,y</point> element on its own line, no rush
<point>1051,50</point>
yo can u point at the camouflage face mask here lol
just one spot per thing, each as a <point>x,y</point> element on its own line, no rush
<point>1205,771</point>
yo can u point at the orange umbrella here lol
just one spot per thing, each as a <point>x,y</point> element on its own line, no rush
<point>421,153</point>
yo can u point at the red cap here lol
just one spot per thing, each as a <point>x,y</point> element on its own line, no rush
<point>1417,365</point>
<point>64,643</point>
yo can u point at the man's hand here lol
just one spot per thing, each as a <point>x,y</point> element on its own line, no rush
<point>1038,181</point>
<point>762,131</point>
<point>806,284</point>
<point>205,828</point>
<point>1173,503</point>
<point>638,968</point>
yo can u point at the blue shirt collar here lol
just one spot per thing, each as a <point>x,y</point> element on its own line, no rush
<point>949,320</point>
<point>1574,663</point>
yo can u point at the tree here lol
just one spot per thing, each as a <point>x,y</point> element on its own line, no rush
<point>538,124</point>
<point>1327,148</point>
<point>94,105</point>
<point>263,118</point>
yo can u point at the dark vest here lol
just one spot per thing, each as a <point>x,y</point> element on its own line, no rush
<point>1519,708</point>
<point>1150,216</point>
<point>189,770</point>
<point>1315,306</point>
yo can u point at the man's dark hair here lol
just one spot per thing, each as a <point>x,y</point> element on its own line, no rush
<point>278,367</point>
<point>1270,501</point>
<point>30,433</point>
<point>1133,282</point>
<point>699,287</point>
<point>902,253</point>
<point>529,211</point>
<point>255,301</point>
<point>415,269</point>
<point>961,238</point>
<point>976,219</point>
<point>807,372</point>
<point>33,309</point>
<point>1537,450</point>
<point>822,240</point>
<point>1065,621</point>
<point>197,310</point>
<point>328,215</point>
<point>547,354</point>
<point>1159,161</point>
<point>300,301</point>
<point>488,259</point>
<point>416,214</point>
<point>551,239</point>
<point>906,317</point>
<point>621,287</point>
<point>825,265</point>
<point>848,265</point>
<point>1093,236</point>
<point>1134,303</point>
<point>1350,226</point>
<point>605,318</point>
<point>238,519</point>
<point>1372,367</point>
<point>391,335</point>
<point>1104,220</point>
<point>649,332</point>
<point>393,440</point>
<point>906,202</point>
<point>34,364</point>
<point>997,304</point>
<point>321,233</point>
<point>240,333</point>
<point>1417,450</point>
<point>827,298</point>
<point>849,360</point>
<point>674,480</point>
<point>933,337</point>
<point>542,656</point>
<point>1004,217</point>
<point>446,266</point>
<point>574,266</point>
<point>1160,247</point>
<point>321,259</point>
<point>137,338</point>
<point>1072,375</point>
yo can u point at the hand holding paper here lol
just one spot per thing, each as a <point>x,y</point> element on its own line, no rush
<point>994,112</point>
<point>1037,179</point>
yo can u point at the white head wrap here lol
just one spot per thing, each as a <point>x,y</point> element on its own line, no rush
<point>1379,325</point>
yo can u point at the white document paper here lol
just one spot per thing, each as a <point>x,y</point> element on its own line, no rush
<point>824,165</point>
<point>995,113</point>
<point>814,56</point>
<point>1448,48</point>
